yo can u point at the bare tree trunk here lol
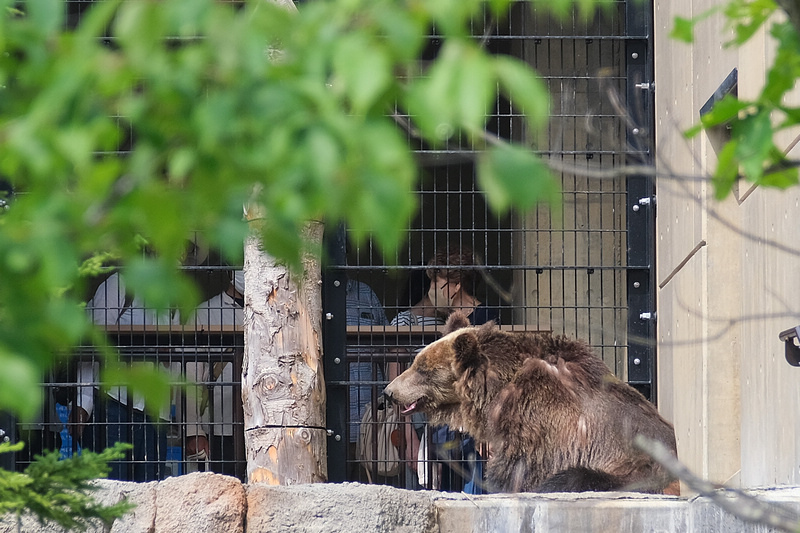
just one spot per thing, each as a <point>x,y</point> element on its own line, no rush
<point>283,390</point>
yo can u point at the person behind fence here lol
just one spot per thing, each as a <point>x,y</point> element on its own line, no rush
<point>48,430</point>
<point>226,308</point>
<point>454,273</point>
<point>100,420</point>
<point>363,308</point>
<point>422,313</point>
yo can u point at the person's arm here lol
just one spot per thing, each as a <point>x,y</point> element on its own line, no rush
<point>88,373</point>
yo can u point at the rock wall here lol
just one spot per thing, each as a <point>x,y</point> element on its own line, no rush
<point>210,503</point>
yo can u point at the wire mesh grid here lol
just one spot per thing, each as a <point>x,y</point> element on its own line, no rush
<point>559,269</point>
<point>201,426</point>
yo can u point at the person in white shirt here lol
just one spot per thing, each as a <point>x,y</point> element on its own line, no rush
<point>226,308</point>
<point>113,419</point>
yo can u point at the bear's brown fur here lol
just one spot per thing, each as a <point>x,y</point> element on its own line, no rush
<point>554,416</point>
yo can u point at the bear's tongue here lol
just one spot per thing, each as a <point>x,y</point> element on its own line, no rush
<point>408,408</point>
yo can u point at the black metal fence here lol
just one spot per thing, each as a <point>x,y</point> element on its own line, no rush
<point>583,268</point>
<point>201,427</point>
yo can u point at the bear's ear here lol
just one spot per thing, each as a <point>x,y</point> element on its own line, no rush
<point>467,351</point>
<point>455,321</point>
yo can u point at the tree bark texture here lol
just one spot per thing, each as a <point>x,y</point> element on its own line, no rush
<point>283,390</point>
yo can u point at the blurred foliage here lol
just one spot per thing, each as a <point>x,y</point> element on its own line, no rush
<point>149,120</point>
<point>752,152</point>
<point>61,491</point>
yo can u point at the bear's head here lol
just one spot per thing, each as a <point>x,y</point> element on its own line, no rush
<point>429,385</point>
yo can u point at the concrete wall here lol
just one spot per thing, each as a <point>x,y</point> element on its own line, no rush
<point>723,379</point>
<point>214,503</point>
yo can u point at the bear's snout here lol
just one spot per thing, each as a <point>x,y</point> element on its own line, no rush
<point>394,390</point>
<point>387,394</point>
<point>401,390</point>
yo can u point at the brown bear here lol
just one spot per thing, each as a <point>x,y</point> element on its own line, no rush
<point>555,418</point>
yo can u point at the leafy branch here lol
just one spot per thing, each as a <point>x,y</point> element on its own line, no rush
<point>152,120</point>
<point>752,152</point>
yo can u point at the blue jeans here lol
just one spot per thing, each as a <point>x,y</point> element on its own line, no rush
<point>147,460</point>
<point>462,466</point>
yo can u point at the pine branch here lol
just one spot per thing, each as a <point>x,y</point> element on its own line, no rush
<point>60,491</point>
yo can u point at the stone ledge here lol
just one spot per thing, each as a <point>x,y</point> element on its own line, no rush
<point>215,503</point>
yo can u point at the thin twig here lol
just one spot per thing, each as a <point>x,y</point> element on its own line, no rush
<point>738,503</point>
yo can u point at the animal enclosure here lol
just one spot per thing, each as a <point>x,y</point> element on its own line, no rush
<point>582,268</point>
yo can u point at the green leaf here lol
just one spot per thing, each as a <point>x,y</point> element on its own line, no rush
<point>181,163</point>
<point>561,9</point>
<point>47,16</point>
<point>403,31</point>
<point>95,21</point>
<point>327,156</point>
<point>785,69</point>
<point>724,111</point>
<point>67,318</point>
<point>19,384</point>
<point>683,30</point>
<point>456,92</point>
<point>499,7</point>
<point>524,89</point>
<point>430,99</point>
<point>364,70</point>
<point>727,171</point>
<point>61,491</point>
<point>159,284</point>
<point>515,177</point>
<point>230,234</point>
<point>186,17</point>
<point>140,29</point>
<point>781,179</point>
<point>451,16</point>
<point>792,116</point>
<point>381,200</point>
<point>143,378</point>
<point>754,136</point>
<point>745,17</point>
<point>693,131</point>
<point>475,89</point>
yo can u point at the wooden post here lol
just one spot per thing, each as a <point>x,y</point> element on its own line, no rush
<point>283,390</point>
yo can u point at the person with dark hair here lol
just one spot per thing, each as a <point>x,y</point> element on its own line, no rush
<point>454,274</point>
<point>112,418</point>
<point>421,312</point>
